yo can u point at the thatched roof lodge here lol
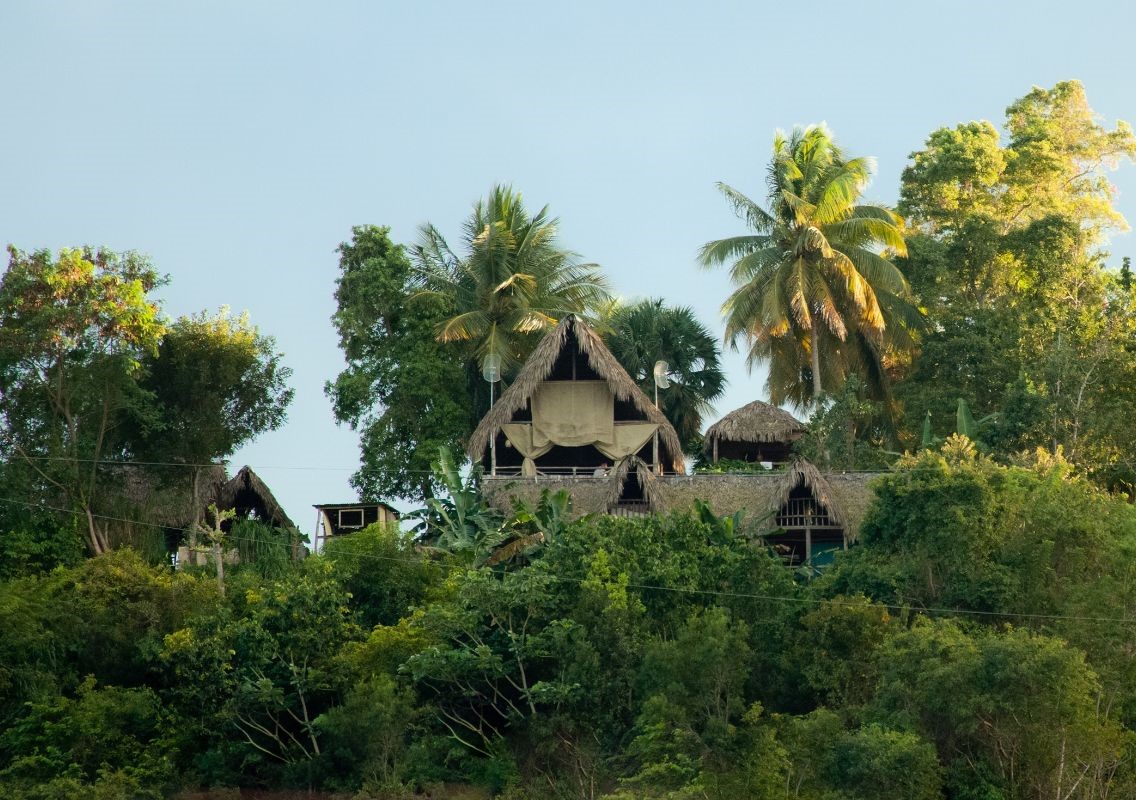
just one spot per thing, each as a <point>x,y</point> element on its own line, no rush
<point>572,410</point>
<point>756,432</point>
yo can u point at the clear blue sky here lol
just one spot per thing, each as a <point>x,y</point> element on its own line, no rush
<point>238,142</point>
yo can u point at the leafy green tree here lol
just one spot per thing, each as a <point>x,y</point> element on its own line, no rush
<point>702,673</point>
<point>384,572</point>
<point>368,736</point>
<point>74,329</point>
<point>1005,255</point>
<point>837,649</point>
<point>270,658</point>
<point>852,433</point>
<point>81,739</point>
<point>643,333</point>
<point>815,296</point>
<point>1014,713</point>
<point>828,760</point>
<point>33,539</point>
<point>214,384</point>
<point>403,391</point>
<point>512,282</point>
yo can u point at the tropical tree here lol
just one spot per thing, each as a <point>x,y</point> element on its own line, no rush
<point>74,329</point>
<point>646,332</point>
<point>405,393</point>
<point>214,384</point>
<point>512,282</point>
<point>816,295</point>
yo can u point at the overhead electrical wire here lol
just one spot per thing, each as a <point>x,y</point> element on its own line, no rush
<point>818,601</point>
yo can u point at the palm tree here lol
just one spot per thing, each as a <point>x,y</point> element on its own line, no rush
<point>512,283</point>
<point>816,294</point>
<point>643,333</point>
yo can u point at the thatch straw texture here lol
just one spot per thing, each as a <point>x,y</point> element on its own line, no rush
<point>246,491</point>
<point>755,422</point>
<point>846,496</point>
<point>643,474</point>
<point>160,495</point>
<point>590,494</point>
<point>539,366</point>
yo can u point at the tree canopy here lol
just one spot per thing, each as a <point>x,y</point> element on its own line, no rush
<point>816,294</point>
<point>405,392</point>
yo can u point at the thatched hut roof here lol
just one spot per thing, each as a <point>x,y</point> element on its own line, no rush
<point>756,422</point>
<point>161,494</point>
<point>648,482</point>
<point>246,492</point>
<point>801,471</point>
<point>539,366</point>
<point>761,495</point>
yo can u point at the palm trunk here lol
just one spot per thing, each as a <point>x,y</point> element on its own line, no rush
<point>814,354</point>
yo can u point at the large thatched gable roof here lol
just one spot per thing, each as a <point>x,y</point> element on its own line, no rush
<point>245,491</point>
<point>756,422</point>
<point>539,366</point>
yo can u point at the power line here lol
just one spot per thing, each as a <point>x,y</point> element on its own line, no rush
<point>944,612</point>
<point>584,472</point>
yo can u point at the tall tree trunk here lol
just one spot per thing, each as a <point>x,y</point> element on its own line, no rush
<point>95,538</point>
<point>814,355</point>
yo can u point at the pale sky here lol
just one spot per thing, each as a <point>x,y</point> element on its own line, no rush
<point>237,142</point>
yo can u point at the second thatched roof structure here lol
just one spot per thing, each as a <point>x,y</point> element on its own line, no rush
<point>540,365</point>
<point>247,493</point>
<point>757,422</point>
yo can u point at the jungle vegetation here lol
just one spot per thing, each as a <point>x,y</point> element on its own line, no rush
<point>974,345</point>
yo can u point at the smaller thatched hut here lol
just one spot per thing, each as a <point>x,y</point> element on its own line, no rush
<point>252,499</point>
<point>756,432</point>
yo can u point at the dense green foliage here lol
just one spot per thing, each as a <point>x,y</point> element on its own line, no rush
<point>975,644</point>
<point>817,296</point>
<point>643,333</point>
<point>404,392</point>
<point>91,373</point>
<point>1005,254</point>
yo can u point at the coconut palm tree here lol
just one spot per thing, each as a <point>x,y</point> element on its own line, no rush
<point>511,283</point>
<point>643,333</point>
<point>816,294</point>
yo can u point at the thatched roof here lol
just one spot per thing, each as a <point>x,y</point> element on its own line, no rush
<point>847,496</point>
<point>539,366</point>
<point>160,494</point>
<point>643,473</point>
<point>802,471</point>
<point>756,422</point>
<point>245,492</point>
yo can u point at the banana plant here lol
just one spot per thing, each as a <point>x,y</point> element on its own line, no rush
<point>460,521</point>
<point>531,527</point>
<point>965,425</point>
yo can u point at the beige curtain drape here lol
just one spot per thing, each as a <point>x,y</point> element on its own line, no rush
<point>520,435</point>
<point>627,439</point>
<point>572,413</point>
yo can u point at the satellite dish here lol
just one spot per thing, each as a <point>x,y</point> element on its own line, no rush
<point>491,368</point>
<point>661,378</point>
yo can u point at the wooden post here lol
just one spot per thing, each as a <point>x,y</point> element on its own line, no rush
<point>219,557</point>
<point>809,547</point>
<point>715,450</point>
<point>655,438</point>
<point>493,438</point>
